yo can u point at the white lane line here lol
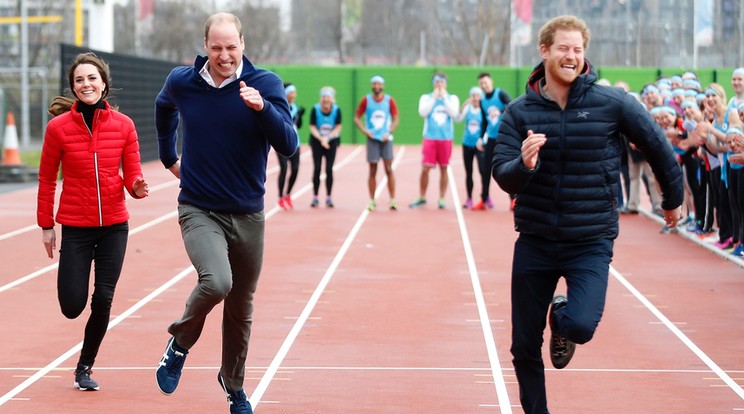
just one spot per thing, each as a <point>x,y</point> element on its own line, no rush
<point>34,275</point>
<point>153,189</point>
<point>124,315</point>
<point>276,362</point>
<point>34,226</point>
<point>72,351</point>
<point>493,356</point>
<point>17,232</point>
<point>149,224</point>
<point>290,369</point>
<point>682,337</point>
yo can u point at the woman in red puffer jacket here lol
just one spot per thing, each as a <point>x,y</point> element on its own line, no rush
<point>92,142</point>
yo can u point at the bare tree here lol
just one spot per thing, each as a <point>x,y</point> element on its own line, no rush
<point>178,32</point>
<point>316,31</point>
<point>390,30</point>
<point>261,29</point>
<point>475,29</point>
<point>125,21</point>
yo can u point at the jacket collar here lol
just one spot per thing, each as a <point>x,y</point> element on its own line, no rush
<point>585,80</point>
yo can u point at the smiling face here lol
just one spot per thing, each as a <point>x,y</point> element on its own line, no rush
<point>664,119</point>
<point>377,87</point>
<point>713,101</point>
<point>224,46</point>
<point>87,84</point>
<point>693,112</point>
<point>486,84</point>
<point>326,102</point>
<point>564,59</point>
<point>737,83</point>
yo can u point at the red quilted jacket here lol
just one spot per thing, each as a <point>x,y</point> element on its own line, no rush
<point>92,186</point>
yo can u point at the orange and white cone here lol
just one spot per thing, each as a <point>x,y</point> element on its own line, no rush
<point>11,156</point>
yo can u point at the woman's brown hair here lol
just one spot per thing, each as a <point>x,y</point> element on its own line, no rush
<point>62,104</point>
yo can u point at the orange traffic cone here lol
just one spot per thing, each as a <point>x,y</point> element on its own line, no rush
<point>11,156</point>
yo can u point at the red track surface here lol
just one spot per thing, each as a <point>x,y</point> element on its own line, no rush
<point>383,312</point>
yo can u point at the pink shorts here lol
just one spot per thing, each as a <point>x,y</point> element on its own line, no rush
<point>436,152</point>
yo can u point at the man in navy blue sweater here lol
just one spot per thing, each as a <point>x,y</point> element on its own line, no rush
<point>232,114</point>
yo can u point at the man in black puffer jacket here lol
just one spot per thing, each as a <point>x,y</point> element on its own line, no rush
<point>559,151</point>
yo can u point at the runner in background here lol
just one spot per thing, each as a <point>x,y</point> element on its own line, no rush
<point>381,116</point>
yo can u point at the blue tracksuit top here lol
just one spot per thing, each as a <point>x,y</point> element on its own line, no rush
<point>225,143</point>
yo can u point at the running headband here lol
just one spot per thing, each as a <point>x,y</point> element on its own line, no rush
<point>710,91</point>
<point>734,131</point>
<point>659,109</point>
<point>476,90</point>
<point>738,71</point>
<point>650,88</point>
<point>377,78</point>
<point>289,89</point>
<point>327,92</point>
<point>691,83</point>
<point>438,78</point>
<point>689,103</point>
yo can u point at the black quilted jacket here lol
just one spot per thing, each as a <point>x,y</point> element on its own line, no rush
<point>571,194</point>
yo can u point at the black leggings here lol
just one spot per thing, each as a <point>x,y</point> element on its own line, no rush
<point>330,155</point>
<point>468,153</point>
<point>723,208</point>
<point>294,161</point>
<point>80,247</point>
<point>695,175</point>
<point>488,150</point>
<point>705,200</point>
<point>736,198</point>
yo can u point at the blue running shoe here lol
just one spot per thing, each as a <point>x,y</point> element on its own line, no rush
<point>238,401</point>
<point>170,367</point>
<point>419,202</point>
<point>738,251</point>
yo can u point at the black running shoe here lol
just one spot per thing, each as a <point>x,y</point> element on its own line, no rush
<point>561,349</point>
<point>83,381</point>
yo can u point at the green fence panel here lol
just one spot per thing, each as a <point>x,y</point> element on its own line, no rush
<point>636,78</point>
<point>407,83</point>
<point>309,80</point>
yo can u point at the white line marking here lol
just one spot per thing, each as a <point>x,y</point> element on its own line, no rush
<point>305,314</point>
<point>682,337</point>
<point>493,356</point>
<point>17,232</point>
<point>153,189</point>
<point>55,265</point>
<point>487,371</point>
<point>34,226</point>
<point>72,351</point>
<point>57,362</point>
<point>132,232</point>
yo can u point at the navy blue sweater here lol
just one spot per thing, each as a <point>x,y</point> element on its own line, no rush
<point>225,143</point>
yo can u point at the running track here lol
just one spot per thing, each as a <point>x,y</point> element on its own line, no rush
<point>383,312</point>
